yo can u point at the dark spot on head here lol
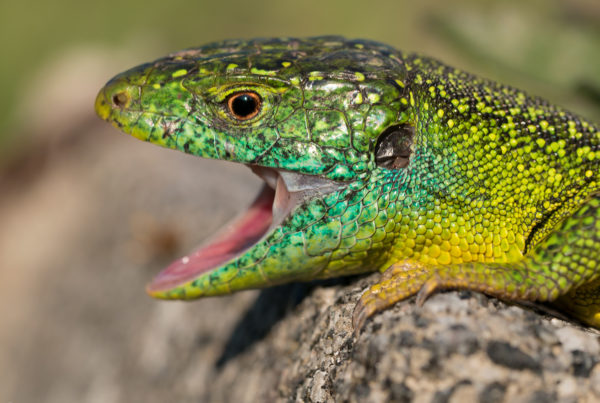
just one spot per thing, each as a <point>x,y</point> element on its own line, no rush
<point>394,147</point>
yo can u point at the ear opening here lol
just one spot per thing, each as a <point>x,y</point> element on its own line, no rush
<point>395,146</point>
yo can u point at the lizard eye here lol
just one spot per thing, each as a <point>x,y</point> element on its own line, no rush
<point>244,105</point>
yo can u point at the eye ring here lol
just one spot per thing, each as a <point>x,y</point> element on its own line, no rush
<point>244,105</point>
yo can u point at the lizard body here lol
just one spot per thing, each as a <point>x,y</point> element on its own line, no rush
<point>376,159</point>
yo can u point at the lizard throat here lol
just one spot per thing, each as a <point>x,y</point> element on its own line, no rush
<point>282,192</point>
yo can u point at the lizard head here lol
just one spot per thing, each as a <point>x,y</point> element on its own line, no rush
<point>312,117</point>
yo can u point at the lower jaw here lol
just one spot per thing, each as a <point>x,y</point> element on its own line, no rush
<point>271,207</point>
<point>231,241</point>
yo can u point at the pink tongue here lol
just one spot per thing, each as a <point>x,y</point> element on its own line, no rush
<point>238,235</point>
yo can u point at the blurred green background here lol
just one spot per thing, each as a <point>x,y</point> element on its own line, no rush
<point>549,47</point>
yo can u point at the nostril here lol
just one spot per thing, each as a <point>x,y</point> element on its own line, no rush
<point>120,99</point>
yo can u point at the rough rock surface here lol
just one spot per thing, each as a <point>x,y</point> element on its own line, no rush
<point>458,347</point>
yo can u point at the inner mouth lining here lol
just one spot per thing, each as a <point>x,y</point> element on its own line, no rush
<point>281,193</point>
<point>267,210</point>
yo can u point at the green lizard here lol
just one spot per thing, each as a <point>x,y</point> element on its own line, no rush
<point>375,159</point>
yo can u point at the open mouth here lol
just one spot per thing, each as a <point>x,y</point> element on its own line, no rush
<point>282,192</point>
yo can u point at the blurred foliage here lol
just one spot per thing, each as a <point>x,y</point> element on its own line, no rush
<point>549,47</point>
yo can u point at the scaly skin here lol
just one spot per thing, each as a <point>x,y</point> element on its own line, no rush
<point>499,194</point>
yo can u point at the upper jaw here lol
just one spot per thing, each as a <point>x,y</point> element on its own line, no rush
<point>292,188</point>
<point>294,181</point>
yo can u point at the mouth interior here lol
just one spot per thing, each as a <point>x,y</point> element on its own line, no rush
<point>237,236</point>
<point>281,193</point>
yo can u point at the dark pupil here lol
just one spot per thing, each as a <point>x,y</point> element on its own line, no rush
<point>243,105</point>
